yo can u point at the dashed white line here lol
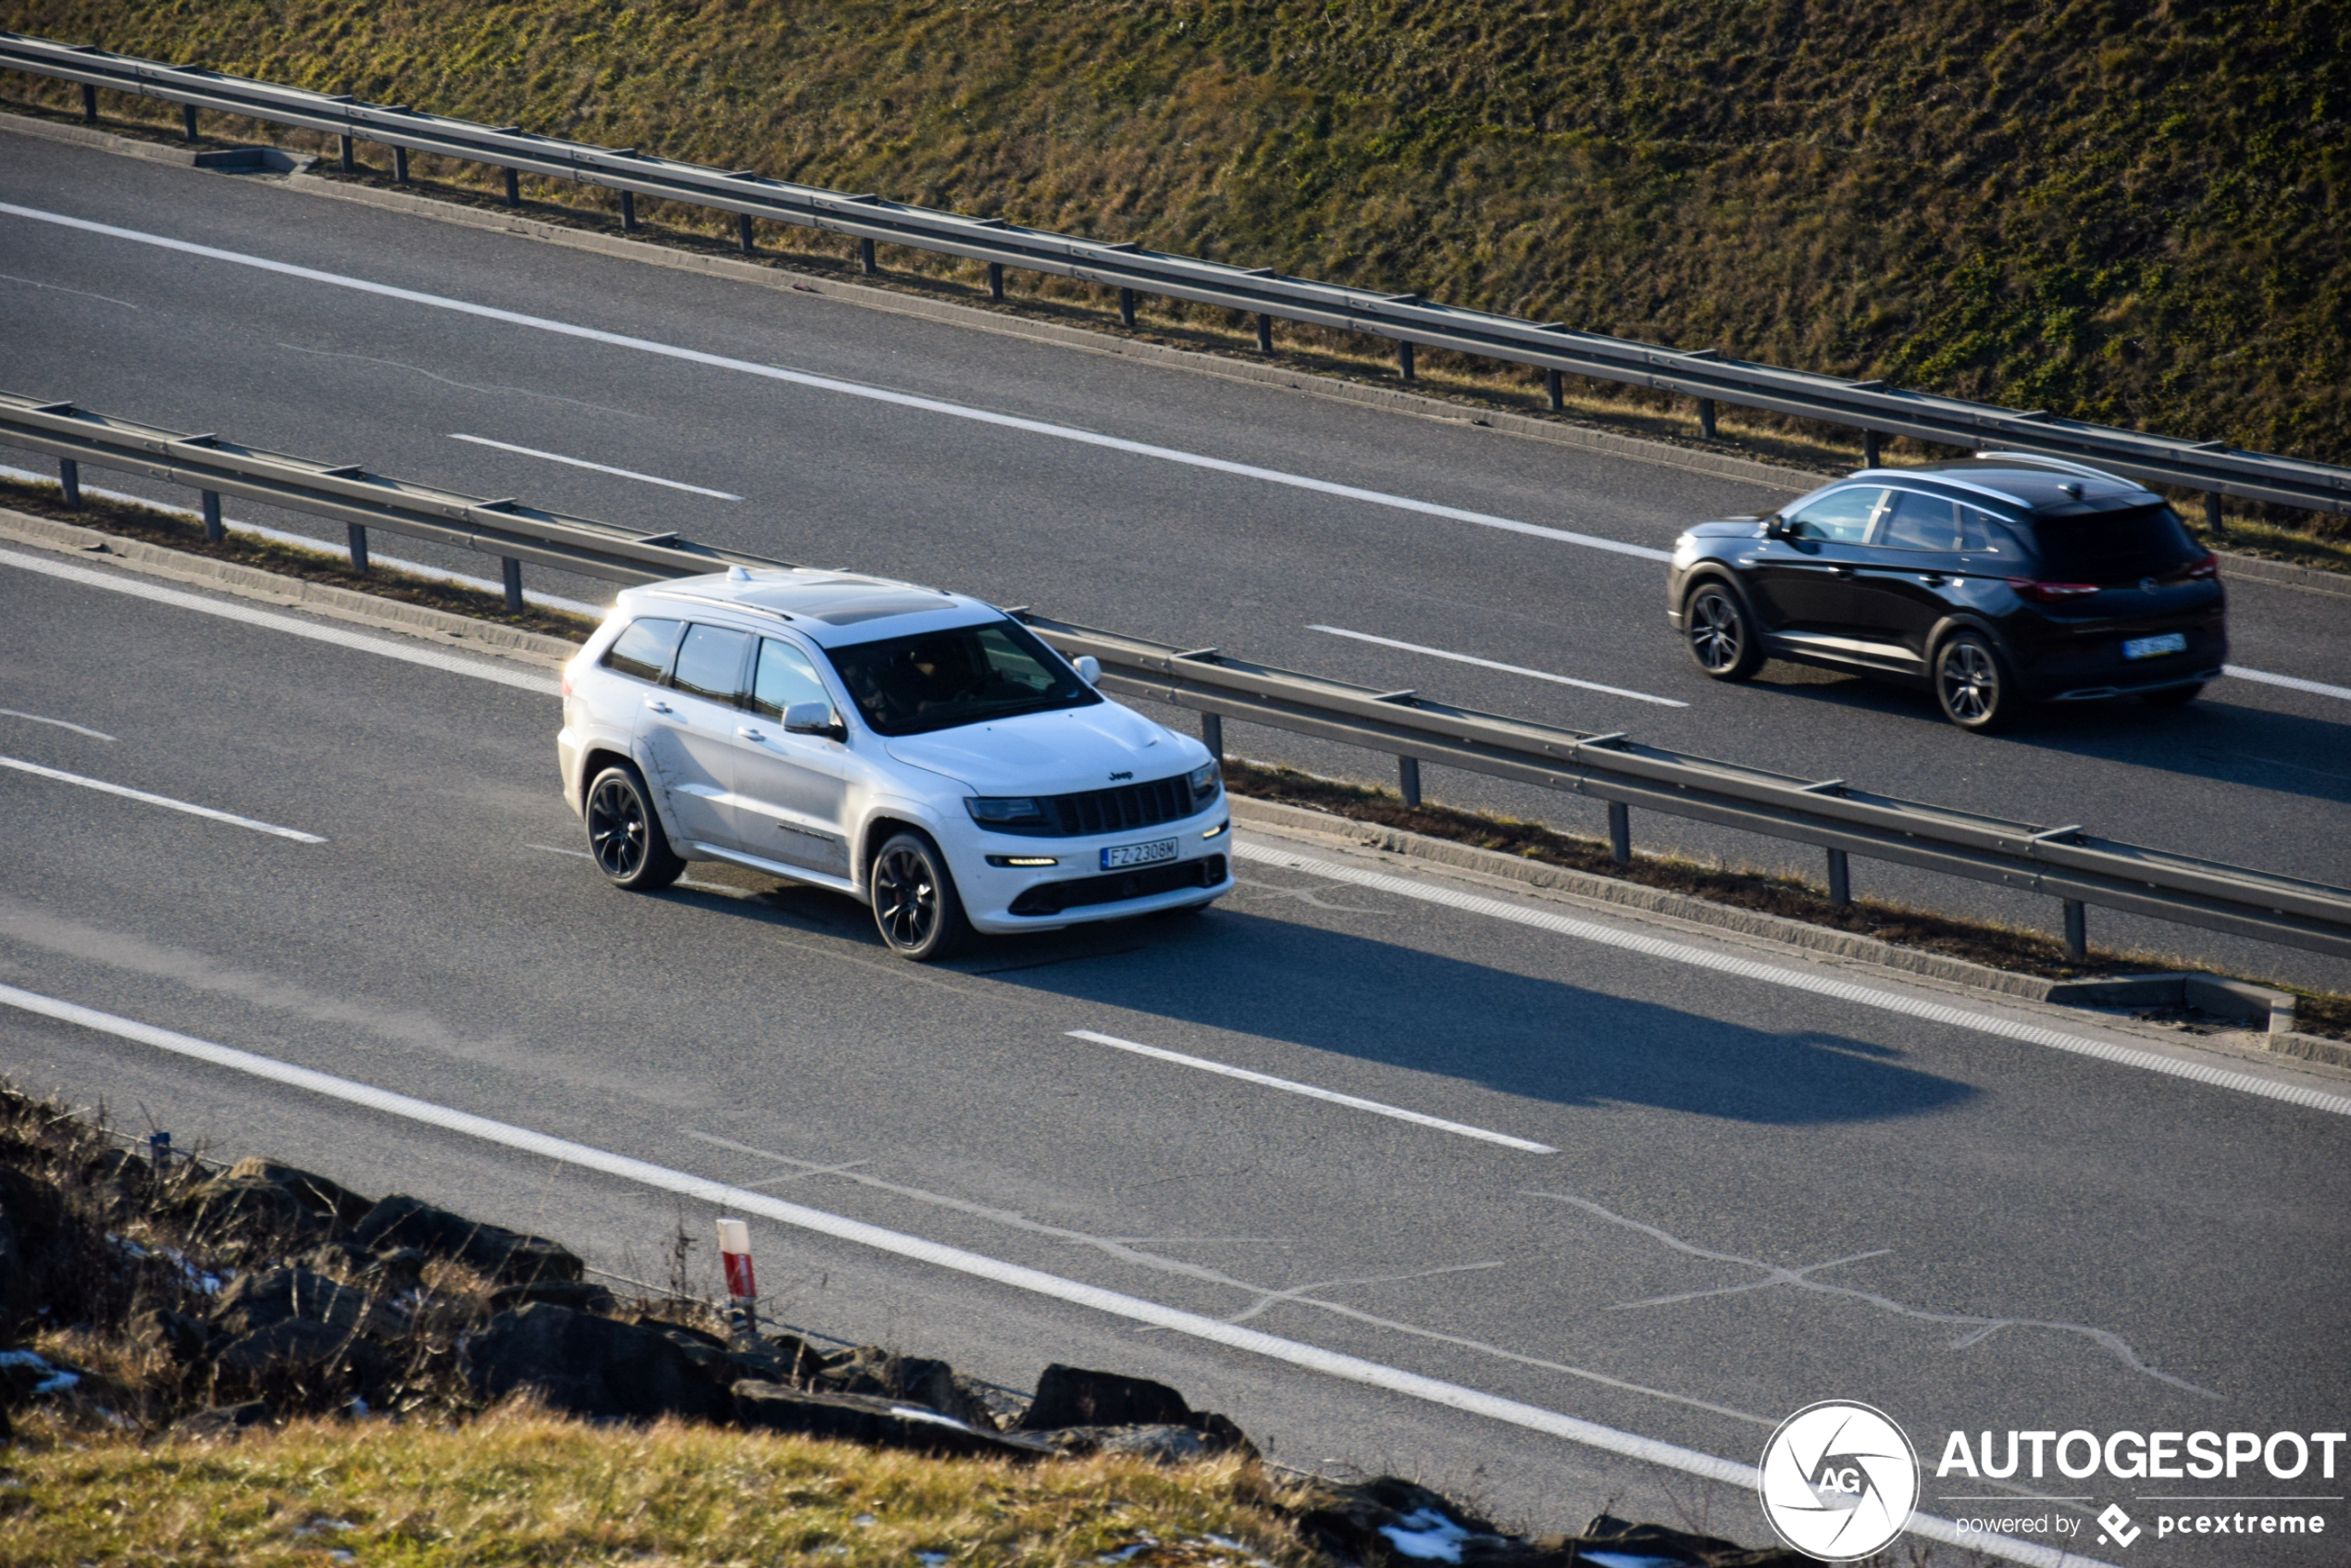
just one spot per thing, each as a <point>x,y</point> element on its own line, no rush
<point>978,1265</point>
<point>599,468</point>
<point>847,389</point>
<point>126,792</point>
<point>1490,663</point>
<point>61,723</point>
<point>2291,682</point>
<point>1289,1086</point>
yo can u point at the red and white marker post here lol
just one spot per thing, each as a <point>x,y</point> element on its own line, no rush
<point>742,1289</point>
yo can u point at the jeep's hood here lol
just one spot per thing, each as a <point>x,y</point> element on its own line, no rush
<point>1055,754</point>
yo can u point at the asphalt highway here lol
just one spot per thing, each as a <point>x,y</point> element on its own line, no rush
<point>1757,1195</point>
<point>819,431</point>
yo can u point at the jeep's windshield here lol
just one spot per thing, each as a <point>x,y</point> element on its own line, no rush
<point>964,675</point>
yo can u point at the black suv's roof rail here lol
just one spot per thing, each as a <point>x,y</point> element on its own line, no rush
<point>2053,465</point>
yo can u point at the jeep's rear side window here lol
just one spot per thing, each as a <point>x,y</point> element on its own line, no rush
<point>644,648</point>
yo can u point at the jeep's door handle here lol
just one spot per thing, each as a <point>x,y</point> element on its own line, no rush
<point>657,705</point>
<point>749,734</point>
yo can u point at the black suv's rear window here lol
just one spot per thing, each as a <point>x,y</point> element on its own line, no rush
<point>2113,546</point>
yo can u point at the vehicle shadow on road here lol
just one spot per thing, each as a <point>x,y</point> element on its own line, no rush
<point>1256,975</point>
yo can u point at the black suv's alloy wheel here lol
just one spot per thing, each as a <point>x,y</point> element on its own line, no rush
<point>1973,684</point>
<point>1721,637</point>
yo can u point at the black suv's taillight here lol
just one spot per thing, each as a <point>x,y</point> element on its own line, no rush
<point>2051,592</point>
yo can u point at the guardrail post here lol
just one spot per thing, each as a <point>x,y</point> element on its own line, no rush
<point>1706,417</point>
<point>743,241</point>
<point>188,121</point>
<point>628,212</point>
<point>996,281</point>
<point>214,529</point>
<point>359,548</point>
<point>1264,333</point>
<point>2214,524</point>
<point>90,103</point>
<point>513,572</point>
<point>1840,880</point>
<point>1869,449</point>
<point>2077,930</point>
<point>1404,358</point>
<point>1126,308</point>
<point>1408,780</point>
<point>1555,387</point>
<point>400,166</point>
<point>1212,735</point>
<point>514,187</point>
<point>866,258</point>
<point>1620,832</point>
<point>69,481</point>
<point>349,164</point>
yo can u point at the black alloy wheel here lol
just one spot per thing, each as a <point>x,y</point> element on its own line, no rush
<point>626,837</point>
<point>1973,684</point>
<point>1721,635</point>
<point>915,904</point>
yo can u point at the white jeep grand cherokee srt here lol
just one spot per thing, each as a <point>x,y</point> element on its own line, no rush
<point>920,751</point>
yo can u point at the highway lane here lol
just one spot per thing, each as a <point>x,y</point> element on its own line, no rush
<point>440,941</point>
<point>2253,775</point>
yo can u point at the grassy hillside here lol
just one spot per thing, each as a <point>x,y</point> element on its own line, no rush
<point>2129,212</point>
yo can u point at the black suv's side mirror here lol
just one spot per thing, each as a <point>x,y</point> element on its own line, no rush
<point>815,718</point>
<point>1775,527</point>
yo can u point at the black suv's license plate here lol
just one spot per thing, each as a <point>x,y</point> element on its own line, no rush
<point>2152,647</point>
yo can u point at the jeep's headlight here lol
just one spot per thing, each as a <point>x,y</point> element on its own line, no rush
<point>1204,781</point>
<point>1005,811</point>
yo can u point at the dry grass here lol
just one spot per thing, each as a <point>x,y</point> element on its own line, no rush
<point>2126,213</point>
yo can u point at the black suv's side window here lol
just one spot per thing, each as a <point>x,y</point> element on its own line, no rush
<point>709,663</point>
<point>1917,521</point>
<point>1841,516</point>
<point>643,650</point>
<point>1983,534</point>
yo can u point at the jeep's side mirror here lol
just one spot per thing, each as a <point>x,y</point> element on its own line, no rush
<point>815,718</point>
<point>1090,669</point>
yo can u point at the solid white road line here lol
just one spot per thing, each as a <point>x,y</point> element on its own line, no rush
<point>1289,1087</point>
<point>311,541</point>
<point>599,467</point>
<point>2291,682</point>
<point>977,1265</point>
<point>1507,670</point>
<point>128,793</point>
<point>846,389</point>
<point>1800,979</point>
<point>503,675</point>
<point>61,723</point>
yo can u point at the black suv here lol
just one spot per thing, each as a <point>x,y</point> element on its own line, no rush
<point>1993,581</point>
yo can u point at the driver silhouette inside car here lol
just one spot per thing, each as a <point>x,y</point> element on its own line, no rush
<point>938,673</point>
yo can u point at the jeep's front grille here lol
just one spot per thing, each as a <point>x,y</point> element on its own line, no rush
<point>1116,810</point>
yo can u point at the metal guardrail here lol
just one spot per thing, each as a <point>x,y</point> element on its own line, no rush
<point>1408,319</point>
<point>2063,863</point>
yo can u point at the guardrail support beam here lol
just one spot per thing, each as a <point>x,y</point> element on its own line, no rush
<point>90,103</point>
<point>69,482</point>
<point>1126,308</point>
<point>1706,417</point>
<point>996,281</point>
<point>514,188</point>
<point>1555,387</point>
<point>743,241</point>
<point>628,212</point>
<point>188,121</point>
<point>400,166</point>
<point>1620,832</point>
<point>1264,333</point>
<point>214,529</point>
<point>866,258</point>
<point>1840,880</point>
<point>513,573</point>
<point>2077,930</point>
<point>1212,735</point>
<point>1869,449</point>
<point>1404,358</point>
<point>1408,780</point>
<point>2214,524</point>
<point>349,163</point>
<point>358,533</point>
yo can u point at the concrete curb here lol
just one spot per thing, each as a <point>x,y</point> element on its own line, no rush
<point>2257,1005</point>
<point>441,628</point>
<point>275,159</point>
<point>2284,574</point>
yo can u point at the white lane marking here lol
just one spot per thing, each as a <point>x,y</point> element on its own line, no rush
<point>228,610</point>
<point>1290,1087</point>
<point>60,288</point>
<point>61,723</point>
<point>2291,682</point>
<point>1507,670</point>
<point>847,388</point>
<point>126,792</point>
<point>310,542</point>
<point>599,467</point>
<point>978,1265</point>
<point>1798,979</point>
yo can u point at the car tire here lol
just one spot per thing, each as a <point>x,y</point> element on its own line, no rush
<point>624,832</point>
<point>2173,696</point>
<point>1973,683</point>
<point>915,907</point>
<point>1720,632</point>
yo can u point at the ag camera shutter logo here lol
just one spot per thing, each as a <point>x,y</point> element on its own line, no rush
<point>1839,1480</point>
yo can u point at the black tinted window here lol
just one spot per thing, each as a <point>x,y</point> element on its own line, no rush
<point>1917,521</point>
<point>938,679</point>
<point>2113,546</point>
<point>1983,534</point>
<point>643,650</point>
<point>710,663</point>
